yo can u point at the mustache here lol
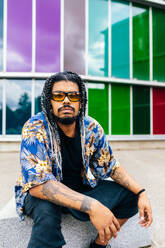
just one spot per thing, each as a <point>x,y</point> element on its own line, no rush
<point>66,106</point>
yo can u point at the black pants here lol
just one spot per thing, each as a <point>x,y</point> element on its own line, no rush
<point>46,230</point>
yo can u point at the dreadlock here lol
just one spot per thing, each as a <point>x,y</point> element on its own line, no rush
<point>48,111</point>
<point>47,91</point>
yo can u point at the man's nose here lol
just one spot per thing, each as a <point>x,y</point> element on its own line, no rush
<point>66,100</point>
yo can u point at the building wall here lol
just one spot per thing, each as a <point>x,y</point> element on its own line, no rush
<point>117,46</point>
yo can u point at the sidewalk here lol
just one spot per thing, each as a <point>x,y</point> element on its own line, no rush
<point>146,166</point>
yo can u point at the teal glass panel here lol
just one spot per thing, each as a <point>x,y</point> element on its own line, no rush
<point>140,42</point>
<point>18,105</point>
<point>141,110</point>
<point>1,35</point>
<point>120,39</point>
<point>38,90</point>
<point>158,44</point>
<point>1,97</point>
<point>98,38</point>
<point>98,104</point>
<point>120,109</point>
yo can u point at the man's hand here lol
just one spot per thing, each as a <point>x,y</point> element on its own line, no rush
<point>145,212</point>
<point>104,221</point>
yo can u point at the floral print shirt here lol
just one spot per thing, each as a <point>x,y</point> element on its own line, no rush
<point>38,164</point>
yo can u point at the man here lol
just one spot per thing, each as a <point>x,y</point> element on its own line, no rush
<point>65,158</point>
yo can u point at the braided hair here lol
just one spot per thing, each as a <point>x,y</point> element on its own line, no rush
<point>47,91</point>
<point>48,111</point>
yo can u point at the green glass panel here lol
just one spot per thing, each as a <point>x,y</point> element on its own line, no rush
<point>98,104</point>
<point>141,110</point>
<point>120,39</point>
<point>98,38</point>
<point>120,109</point>
<point>140,42</point>
<point>158,44</point>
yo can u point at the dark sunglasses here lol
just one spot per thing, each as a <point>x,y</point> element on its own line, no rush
<point>59,96</point>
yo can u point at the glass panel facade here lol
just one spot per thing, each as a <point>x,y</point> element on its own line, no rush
<point>19,35</point>
<point>1,97</point>
<point>95,45</point>
<point>47,35</point>
<point>98,104</point>
<point>74,36</point>
<point>98,38</point>
<point>140,42</point>
<point>158,110</point>
<point>38,90</point>
<point>120,109</point>
<point>1,35</point>
<point>18,105</point>
<point>158,44</point>
<point>120,39</point>
<point>141,110</point>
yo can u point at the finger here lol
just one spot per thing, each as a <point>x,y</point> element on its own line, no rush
<point>113,230</point>
<point>107,233</point>
<point>101,235</point>
<point>141,213</point>
<point>146,222</point>
<point>149,218</point>
<point>116,223</point>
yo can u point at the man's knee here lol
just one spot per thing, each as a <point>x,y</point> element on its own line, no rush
<point>42,210</point>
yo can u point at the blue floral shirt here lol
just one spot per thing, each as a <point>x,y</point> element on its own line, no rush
<point>38,164</point>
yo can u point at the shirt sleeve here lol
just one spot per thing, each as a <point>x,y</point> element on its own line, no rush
<point>102,162</point>
<point>35,161</point>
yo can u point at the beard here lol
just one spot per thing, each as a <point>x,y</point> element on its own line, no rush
<point>65,120</point>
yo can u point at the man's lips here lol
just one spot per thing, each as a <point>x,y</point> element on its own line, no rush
<point>66,110</point>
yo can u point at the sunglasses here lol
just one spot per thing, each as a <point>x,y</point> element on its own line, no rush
<point>59,96</point>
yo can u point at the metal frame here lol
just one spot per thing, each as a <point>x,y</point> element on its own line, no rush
<point>109,40</point>
<point>131,41</point>
<point>109,95</point>
<point>4,35</point>
<point>86,37</point>
<point>62,36</point>
<point>135,137</point>
<point>151,43</point>
<point>33,35</point>
<point>131,110</point>
<point>39,75</point>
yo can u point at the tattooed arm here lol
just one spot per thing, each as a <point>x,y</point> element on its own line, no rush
<point>59,194</point>
<point>121,176</point>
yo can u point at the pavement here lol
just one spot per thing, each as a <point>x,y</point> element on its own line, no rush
<point>146,166</point>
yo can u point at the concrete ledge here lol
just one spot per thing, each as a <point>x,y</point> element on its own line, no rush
<point>14,146</point>
<point>16,234</point>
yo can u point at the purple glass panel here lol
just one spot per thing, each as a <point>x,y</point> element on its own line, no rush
<point>74,36</point>
<point>19,35</point>
<point>48,36</point>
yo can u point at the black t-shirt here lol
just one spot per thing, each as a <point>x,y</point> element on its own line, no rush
<point>72,161</point>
